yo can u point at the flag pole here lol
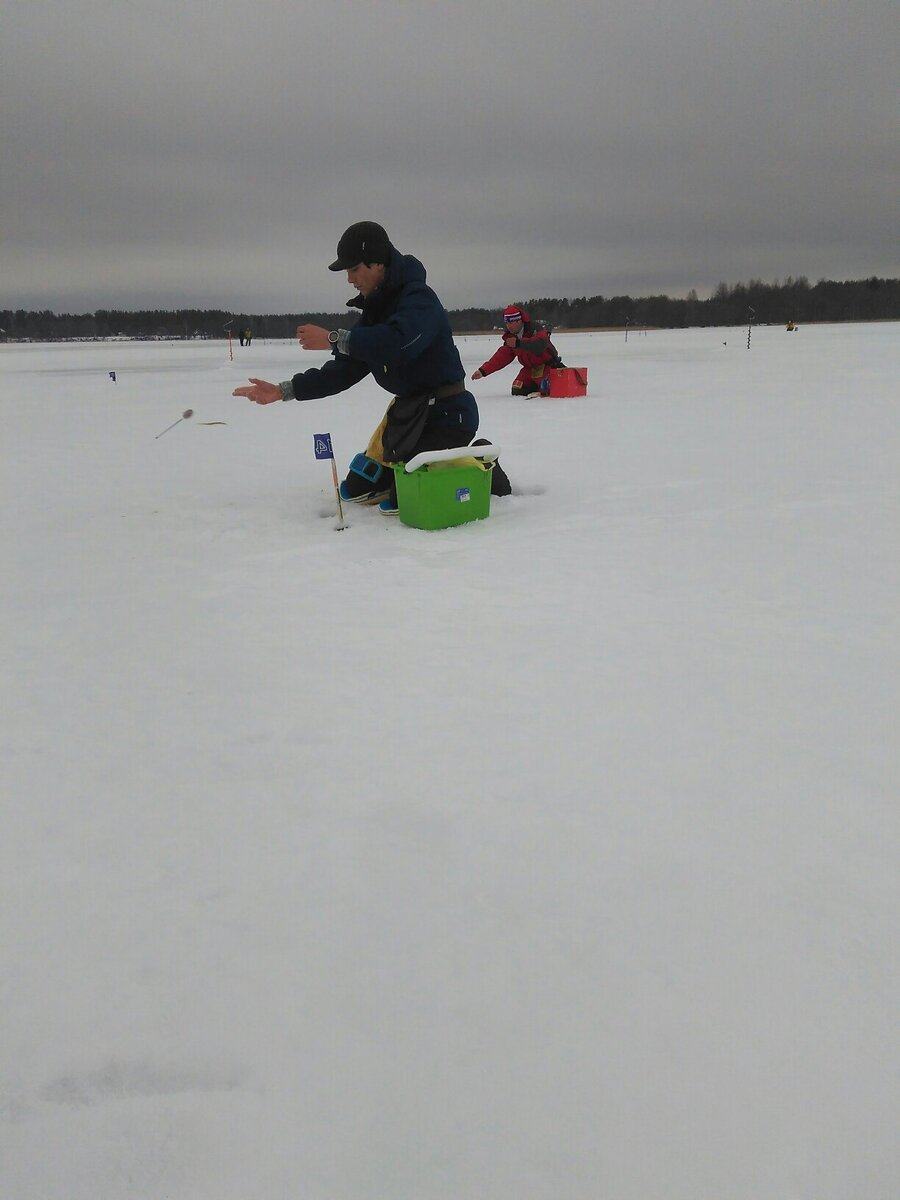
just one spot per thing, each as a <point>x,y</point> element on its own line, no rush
<point>337,496</point>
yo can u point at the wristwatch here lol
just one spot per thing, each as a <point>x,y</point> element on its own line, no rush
<point>333,337</point>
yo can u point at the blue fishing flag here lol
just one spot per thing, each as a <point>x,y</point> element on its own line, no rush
<point>323,445</point>
<point>322,442</point>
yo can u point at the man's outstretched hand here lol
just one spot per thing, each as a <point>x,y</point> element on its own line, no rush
<point>260,392</point>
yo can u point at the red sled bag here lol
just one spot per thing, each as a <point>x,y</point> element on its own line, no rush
<point>567,381</point>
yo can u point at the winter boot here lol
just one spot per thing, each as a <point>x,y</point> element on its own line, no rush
<point>367,482</point>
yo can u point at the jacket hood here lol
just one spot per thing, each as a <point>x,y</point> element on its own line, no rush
<point>401,270</point>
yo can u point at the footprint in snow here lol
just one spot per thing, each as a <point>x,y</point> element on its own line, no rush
<point>119,1080</point>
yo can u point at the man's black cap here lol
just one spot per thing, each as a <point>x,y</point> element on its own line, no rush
<point>364,242</point>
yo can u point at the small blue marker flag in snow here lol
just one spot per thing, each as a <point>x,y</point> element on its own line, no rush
<point>322,442</point>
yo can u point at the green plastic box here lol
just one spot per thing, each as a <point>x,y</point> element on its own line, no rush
<point>443,494</point>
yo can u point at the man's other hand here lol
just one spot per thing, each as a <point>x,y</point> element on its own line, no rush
<point>313,337</point>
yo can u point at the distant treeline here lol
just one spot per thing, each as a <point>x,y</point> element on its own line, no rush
<point>872,299</point>
<point>795,300</point>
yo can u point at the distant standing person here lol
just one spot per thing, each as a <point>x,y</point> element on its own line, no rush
<point>403,339</point>
<point>530,345</point>
<point>248,336</point>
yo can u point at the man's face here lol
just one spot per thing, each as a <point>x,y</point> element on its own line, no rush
<point>366,277</point>
<point>514,327</point>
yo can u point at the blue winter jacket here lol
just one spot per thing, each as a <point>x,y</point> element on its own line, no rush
<point>404,339</point>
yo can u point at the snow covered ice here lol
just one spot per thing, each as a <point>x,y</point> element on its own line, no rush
<point>551,857</point>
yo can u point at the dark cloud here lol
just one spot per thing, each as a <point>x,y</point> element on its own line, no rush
<point>211,155</point>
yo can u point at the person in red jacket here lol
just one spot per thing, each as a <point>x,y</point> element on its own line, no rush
<point>529,344</point>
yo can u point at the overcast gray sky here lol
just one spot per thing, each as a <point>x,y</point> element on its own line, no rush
<point>209,154</point>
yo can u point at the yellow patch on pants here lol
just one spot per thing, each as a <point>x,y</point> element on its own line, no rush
<point>375,449</point>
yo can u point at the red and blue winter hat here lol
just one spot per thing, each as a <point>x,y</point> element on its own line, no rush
<point>513,313</point>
